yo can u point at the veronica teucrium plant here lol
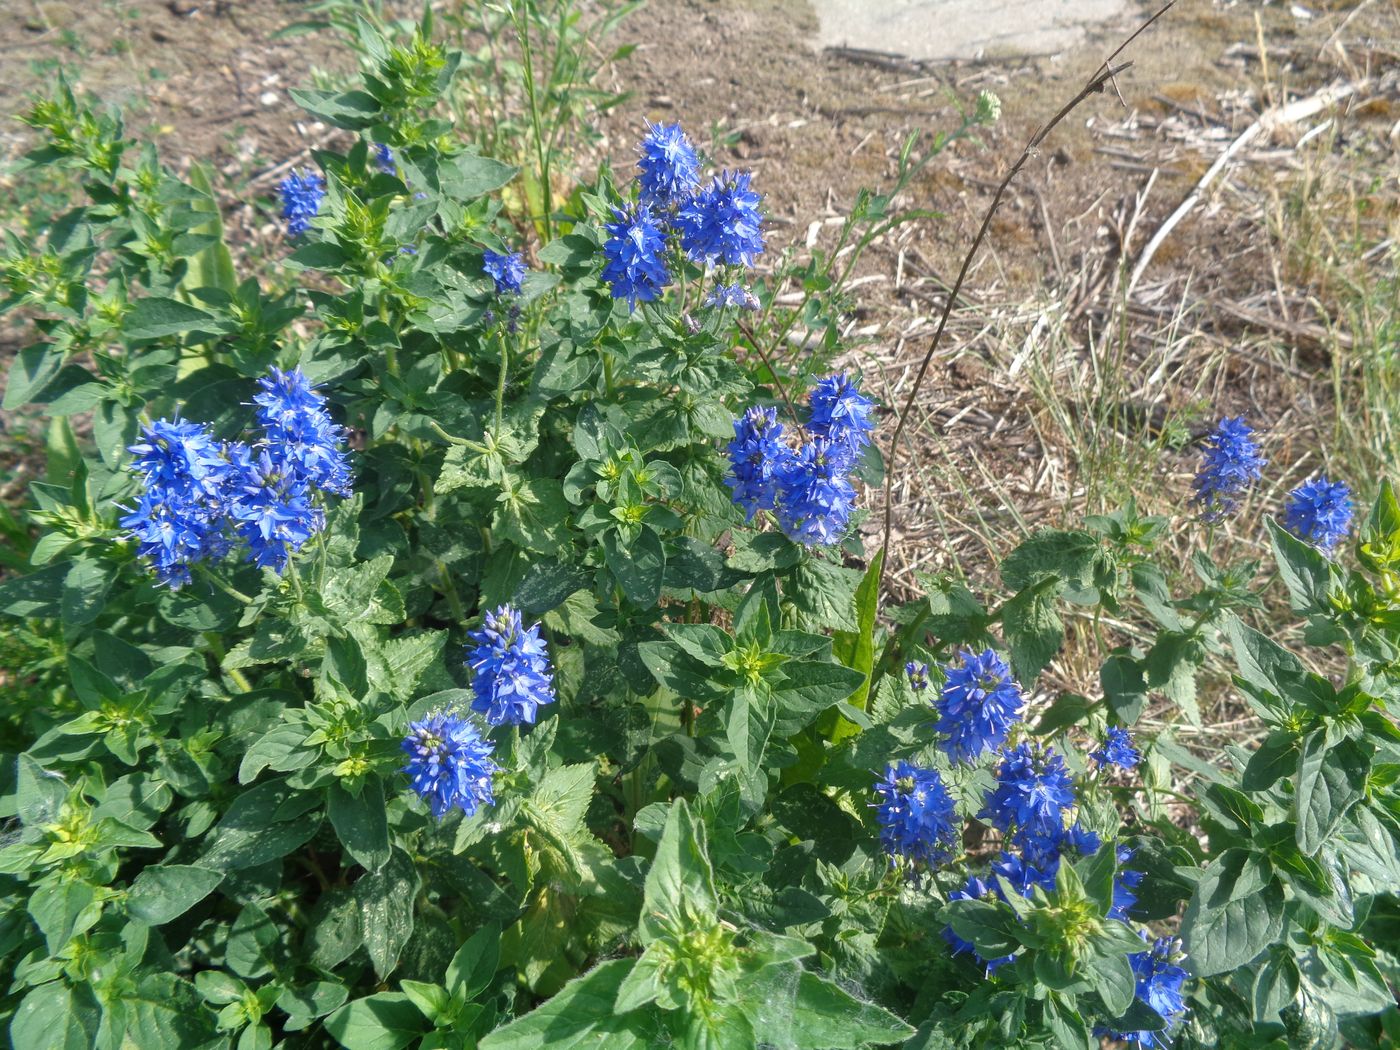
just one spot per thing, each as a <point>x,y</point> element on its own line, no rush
<point>463,646</point>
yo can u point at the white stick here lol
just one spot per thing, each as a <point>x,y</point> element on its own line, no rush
<point>1274,117</point>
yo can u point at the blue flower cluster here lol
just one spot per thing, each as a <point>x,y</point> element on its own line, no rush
<point>1030,805</point>
<point>721,223</point>
<point>301,200</point>
<point>1125,886</point>
<point>1319,511</point>
<point>198,494</point>
<point>1117,750</point>
<point>511,675</point>
<point>1231,464</point>
<point>506,270</point>
<point>735,295</point>
<point>450,764</point>
<point>918,820</point>
<point>808,488</point>
<point>1160,983</point>
<point>670,171</point>
<point>718,223</point>
<point>979,703</point>
<point>635,253</point>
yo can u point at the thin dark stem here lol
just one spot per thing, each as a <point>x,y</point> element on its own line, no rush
<point>777,380</point>
<point>1095,85</point>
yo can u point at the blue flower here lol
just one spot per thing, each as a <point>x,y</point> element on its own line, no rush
<point>450,764</point>
<point>1319,511</point>
<point>1033,792</point>
<point>302,440</point>
<point>735,295</point>
<point>384,159</point>
<point>721,222</point>
<point>841,415</point>
<point>1125,885</point>
<point>301,200</point>
<point>510,668</point>
<point>917,818</point>
<point>506,270</point>
<point>815,497</point>
<point>1081,839</point>
<point>758,456</point>
<point>1159,985</point>
<point>272,511</point>
<point>178,520</point>
<point>178,454</point>
<point>918,675</point>
<point>635,253</point>
<point>978,705</point>
<point>669,169</point>
<point>172,534</point>
<point>1117,749</point>
<point>1023,876</point>
<point>1230,464</point>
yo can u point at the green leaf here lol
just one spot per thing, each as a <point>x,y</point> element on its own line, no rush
<point>748,723</point>
<point>1331,779</point>
<point>38,594</point>
<point>85,591</point>
<point>33,369</point>
<point>353,110</point>
<point>308,1002</point>
<point>856,649</point>
<point>581,1017</point>
<point>466,176</point>
<point>1112,977</point>
<point>1124,686</point>
<point>386,899</point>
<point>155,317</point>
<point>534,515</point>
<point>1231,918</point>
<point>39,794</point>
<point>1305,571</point>
<point>385,1021</point>
<point>474,965</point>
<point>51,1017</point>
<point>1274,759</point>
<point>1275,985</point>
<point>164,893</point>
<point>62,910</point>
<point>360,822</point>
<point>1069,556</point>
<point>680,884</point>
<point>1033,628</point>
<point>264,823</point>
<point>253,943</point>
<point>992,927</point>
<point>1263,662</point>
<point>823,592</point>
<point>817,1015</point>
<point>639,567</point>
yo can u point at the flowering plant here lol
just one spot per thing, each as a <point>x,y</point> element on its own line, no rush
<point>467,648</point>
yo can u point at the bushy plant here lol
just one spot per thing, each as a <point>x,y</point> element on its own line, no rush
<point>485,656</point>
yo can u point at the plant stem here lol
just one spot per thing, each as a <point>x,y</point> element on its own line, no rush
<point>522,31</point>
<point>1095,85</point>
<point>227,588</point>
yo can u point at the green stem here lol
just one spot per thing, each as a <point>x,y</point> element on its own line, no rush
<point>522,31</point>
<point>501,387</point>
<point>227,588</point>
